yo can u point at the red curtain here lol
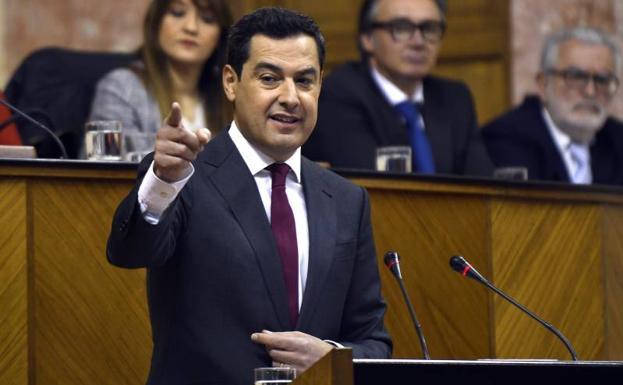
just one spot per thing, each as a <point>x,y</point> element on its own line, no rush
<point>9,133</point>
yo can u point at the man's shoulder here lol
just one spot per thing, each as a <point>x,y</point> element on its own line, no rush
<point>520,120</point>
<point>347,75</point>
<point>438,87</point>
<point>615,124</point>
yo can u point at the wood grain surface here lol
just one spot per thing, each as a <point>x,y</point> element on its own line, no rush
<point>13,283</point>
<point>71,318</point>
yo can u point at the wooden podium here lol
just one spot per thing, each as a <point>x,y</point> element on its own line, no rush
<point>69,317</point>
<point>338,368</point>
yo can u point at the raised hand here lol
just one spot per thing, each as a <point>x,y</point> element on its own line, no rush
<point>177,146</point>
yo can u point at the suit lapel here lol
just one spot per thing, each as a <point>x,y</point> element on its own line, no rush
<point>438,128</point>
<point>322,234</point>
<point>232,178</point>
<point>390,128</point>
<point>554,167</point>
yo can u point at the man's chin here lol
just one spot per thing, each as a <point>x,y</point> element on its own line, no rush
<point>584,129</point>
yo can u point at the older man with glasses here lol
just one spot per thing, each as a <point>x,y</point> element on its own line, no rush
<point>390,98</point>
<point>564,133</point>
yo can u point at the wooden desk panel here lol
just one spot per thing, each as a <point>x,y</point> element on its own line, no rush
<point>547,255</point>
<point>13,283</point>
<point>79,296</point>
<point>426,229</point>
<point>69,317</point>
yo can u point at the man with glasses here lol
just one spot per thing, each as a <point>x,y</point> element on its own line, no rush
<point>565,134</point>
<point>390,98</point>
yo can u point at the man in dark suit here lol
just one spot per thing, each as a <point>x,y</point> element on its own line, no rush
<point>565,134</point>
<point>255,255</point>
<point>359,104</point>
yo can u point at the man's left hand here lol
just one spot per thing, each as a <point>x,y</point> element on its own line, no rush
<point>295,349</point>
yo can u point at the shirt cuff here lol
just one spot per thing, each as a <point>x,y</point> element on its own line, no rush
<point>334,344</point>
<point>155,195</point>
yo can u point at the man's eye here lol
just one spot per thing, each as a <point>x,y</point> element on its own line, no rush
<point>306,82</point>
<point>268,79</point>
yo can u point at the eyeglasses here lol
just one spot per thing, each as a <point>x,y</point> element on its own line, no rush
<point>605,84</point>
<point>403,30</point>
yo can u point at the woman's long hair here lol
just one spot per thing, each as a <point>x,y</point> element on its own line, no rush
<point>155,73</point>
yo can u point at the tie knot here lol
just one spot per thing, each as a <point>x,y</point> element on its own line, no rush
<point>408,110</point>
<point>279,172</point>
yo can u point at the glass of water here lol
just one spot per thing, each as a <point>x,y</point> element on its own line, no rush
<point>102,140</point>
<point>137,144</point>
<point>393,159</point>
<point>274,375</point>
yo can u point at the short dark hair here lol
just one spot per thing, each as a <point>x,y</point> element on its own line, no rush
<point>274,22</point>
<point>367,13</point>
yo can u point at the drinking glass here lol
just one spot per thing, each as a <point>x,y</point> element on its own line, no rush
<point>274,375</point>
<point>393,159</point>
<point>102,140</point>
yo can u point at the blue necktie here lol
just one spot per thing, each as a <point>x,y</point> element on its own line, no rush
<point>581,157</point>
<point>422,153</point>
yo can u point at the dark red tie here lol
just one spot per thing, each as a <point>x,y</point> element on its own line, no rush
<point>284,231</point>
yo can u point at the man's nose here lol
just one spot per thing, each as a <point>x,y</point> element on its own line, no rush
<point>417,38</point>
<point>288,94</point>
<point>590,89</point>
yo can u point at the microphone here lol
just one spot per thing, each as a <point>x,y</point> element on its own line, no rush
<point>392,261</point>
<point>460,265</point>
<point>38,124</point>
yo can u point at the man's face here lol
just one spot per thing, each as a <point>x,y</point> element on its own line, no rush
<point>276,97</point>
<point>578,104</point>
<point>403,60</point>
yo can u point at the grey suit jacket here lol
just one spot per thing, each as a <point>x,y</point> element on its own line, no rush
<point>121,95</point>
<point>215,277</point>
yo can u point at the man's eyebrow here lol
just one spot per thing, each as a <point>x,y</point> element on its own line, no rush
<point>308,71</point>
<point>267,66</point>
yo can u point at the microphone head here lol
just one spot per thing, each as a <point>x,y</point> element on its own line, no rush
<point>392,261</point>
<point>459,264</point>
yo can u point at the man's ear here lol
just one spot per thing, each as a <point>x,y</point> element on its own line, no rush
<point>367,42</point>
<point>230,81</point>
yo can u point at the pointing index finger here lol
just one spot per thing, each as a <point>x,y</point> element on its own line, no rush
<point>174,119</point>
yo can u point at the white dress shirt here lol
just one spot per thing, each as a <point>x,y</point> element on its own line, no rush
<point>155,195</point>
<point>395,95</point>
<point>563,143</point>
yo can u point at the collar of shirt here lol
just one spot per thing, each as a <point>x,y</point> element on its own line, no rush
<point>563,142</point>
<point>394,94</point>
<point>256,160</point>
<point>561,139</point>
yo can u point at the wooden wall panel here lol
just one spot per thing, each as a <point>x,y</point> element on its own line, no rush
<point>555,273</point>
<point>613,275</point>
<point>13,283</point>
<point>487,81</point>
<point>80,297</point>
<point>427,230</point>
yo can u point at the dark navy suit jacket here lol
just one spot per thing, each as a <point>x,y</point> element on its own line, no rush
<point>521,138</point>
<point>214,274</point>
<point>354,118</point>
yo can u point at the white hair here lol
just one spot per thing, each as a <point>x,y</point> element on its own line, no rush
<point>549,55</point>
